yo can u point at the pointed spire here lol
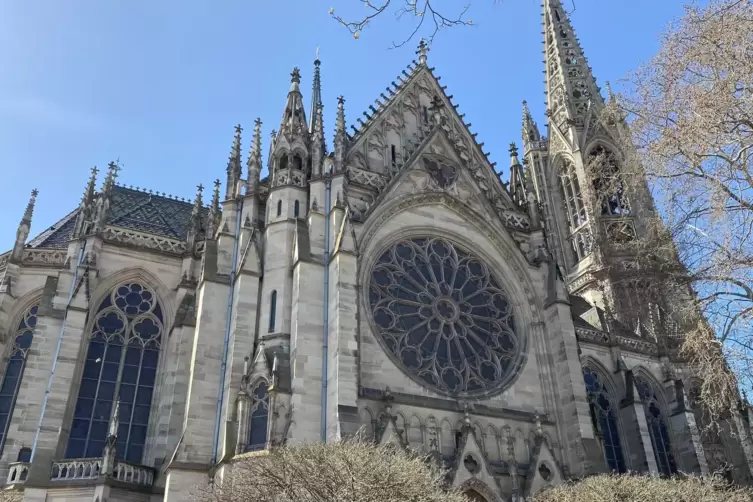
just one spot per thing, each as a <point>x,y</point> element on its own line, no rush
<point>112,174</point>
<point>234,165</point>
<point>318,143</point>
<point>195,225</point>
<point>254,159</point>
<point>341,136</point>
<point>91,187</point>
<point>214,212</point>
<point>24,226</point>
<point>294,116</point>
<point>530,131</point>
<point>610,94</point>
<point>423,48</point>
<point>517,180</point>
<point>316,93</point>
<point>570,84</point>
<point>26,219</point>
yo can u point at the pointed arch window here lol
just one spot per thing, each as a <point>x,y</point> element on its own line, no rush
<point>284,161</point>
<point>279,207</point>
<point>657,427</point>
<point>258,422</point>
<point>297,162</point>
<point>577,219</point>
<point>608,184</point>
<point>604,414</point>
<point>121,365</point>
<point>272,310</point>
<point>296,209</point>
<point>14,371</point>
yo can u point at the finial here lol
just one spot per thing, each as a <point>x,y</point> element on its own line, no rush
<point>256,142</point>
<point>236,153</point>
<point>513,149</point>
<point>316,61</point>
<point>295,76</point>
<point>422,50</point>
<point>112,174</point>
<point>30,207</point>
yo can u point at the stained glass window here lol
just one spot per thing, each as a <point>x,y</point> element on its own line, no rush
<point>121,365</point>
<point>257,435</point>
<point>443,317</point>
<point>580,236</point>
<point>14,371</point>
<point>605,416</point>
<point>657,428</point>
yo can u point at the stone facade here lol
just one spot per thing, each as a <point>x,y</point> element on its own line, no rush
<point>394,286</point>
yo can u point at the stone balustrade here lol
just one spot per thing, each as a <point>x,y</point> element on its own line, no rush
<point>91,468</point>
<point>17,473</point>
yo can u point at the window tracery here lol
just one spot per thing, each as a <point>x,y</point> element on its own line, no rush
<point>14,371</point>
<point>443,317</point>
<point>605,418</point>
<point>657,427</point>
<point>121,366</point>
<point>577,217</point>
<point>258,423</point>
<point>608,184</point>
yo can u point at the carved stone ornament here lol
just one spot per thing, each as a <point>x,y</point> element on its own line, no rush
<point>442,170</point>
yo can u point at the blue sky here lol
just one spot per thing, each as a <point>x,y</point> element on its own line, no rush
<point>161,84</point>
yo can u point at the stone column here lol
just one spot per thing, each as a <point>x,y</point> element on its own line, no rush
<point>639,452</point>
<point>690,454</point>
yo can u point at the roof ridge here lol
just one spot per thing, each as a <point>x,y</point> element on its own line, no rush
<point>155,193</point>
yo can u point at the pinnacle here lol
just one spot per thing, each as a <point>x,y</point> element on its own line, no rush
<point>423,48</point>
<point>295,76</point>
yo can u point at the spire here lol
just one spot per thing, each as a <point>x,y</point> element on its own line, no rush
<point>517,180</point>
<point>341,136</point>
<point>318,143</point>
<point>254,159</point>
<point>294,117</point>
<point>423,48</point>
<point>316,93</point>
<point>84,218</point>
<point>570,85</point>
<point>112,175</point>
<point>234,165</point>
<point>24,226</point>
<point>91,187</point>
<point>214,212</point>
<point>531,135</point>
<point>195,226</point>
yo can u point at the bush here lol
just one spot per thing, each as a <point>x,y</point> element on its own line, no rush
<point>629,488</point>
<point>353,471</point>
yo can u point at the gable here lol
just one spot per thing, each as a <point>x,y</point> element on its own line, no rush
<point>387,141</point>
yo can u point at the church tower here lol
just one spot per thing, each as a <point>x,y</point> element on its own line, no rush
<point>580,176</point>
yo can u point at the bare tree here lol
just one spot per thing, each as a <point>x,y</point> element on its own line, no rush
<point>690,111</point>
<point>422,13</point>
<point>609,488</point>
<point>352,470</point>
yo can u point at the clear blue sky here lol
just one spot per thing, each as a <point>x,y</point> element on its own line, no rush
<point>160,84</point>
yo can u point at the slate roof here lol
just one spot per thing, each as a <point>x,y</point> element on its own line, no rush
<point>133,209</point>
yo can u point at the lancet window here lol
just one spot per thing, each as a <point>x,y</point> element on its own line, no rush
<point>296,209</point>
<point>14,371</point>
<point>279,207</point>
<point>121,366</point>
<point>272,310</point>
<point>657,427</point>
<point>604,415</point>
<point>608,184</point>
<point>577,218</point>
<point>258,422</point>
<point>297,162</point>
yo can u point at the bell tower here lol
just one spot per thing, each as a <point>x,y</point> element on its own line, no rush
<point>594,204</point>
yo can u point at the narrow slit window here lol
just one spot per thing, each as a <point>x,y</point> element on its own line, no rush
<point>279,207</point>
<point>425,114</point>
<point>272,310</point>
<point>393,154</point>
<point>296,209</point>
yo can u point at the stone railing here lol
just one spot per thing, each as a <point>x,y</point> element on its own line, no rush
<point>17,473</point>
<point>75,469</point>
<point>144,240</point>
<point>46,257</point>
<point>131,473</point>
<point>91,468</point>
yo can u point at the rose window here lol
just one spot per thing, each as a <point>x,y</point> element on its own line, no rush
<point>443,317</point>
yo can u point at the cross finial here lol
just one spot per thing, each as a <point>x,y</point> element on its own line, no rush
<point>217,183</point>
<point>513,149</point>
<point>200,187</point>
<point>34,193</point>
<point>423,48</point>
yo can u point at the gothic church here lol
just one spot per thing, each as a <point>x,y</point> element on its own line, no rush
<point>394,286</point>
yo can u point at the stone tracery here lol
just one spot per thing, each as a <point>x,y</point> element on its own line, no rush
<point>443,317</point>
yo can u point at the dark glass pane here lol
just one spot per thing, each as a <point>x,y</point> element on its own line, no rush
<point>79,428</point>
<point>125,318</point>
<point>75,448</point>
<point>13,370</point>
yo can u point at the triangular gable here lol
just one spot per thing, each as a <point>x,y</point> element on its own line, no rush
<point>391,434</point>
<point>422,79</point>
<point>543,471</point>
<point>417,176</point>
<point>471,470</point>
